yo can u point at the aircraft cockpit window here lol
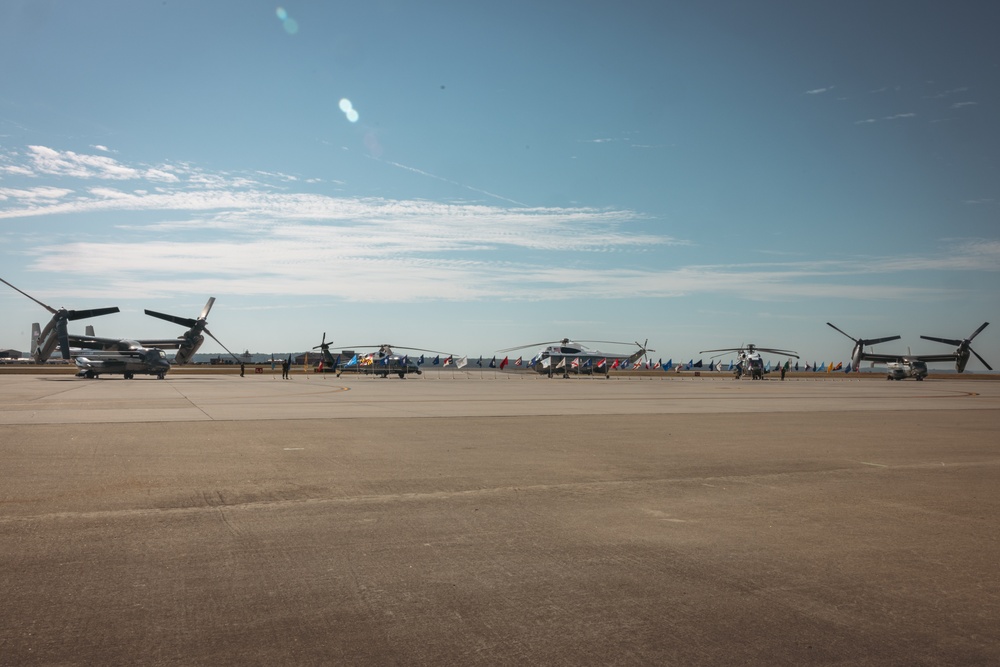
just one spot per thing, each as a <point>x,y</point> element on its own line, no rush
<point>161,354</point>
<point>570,350</point>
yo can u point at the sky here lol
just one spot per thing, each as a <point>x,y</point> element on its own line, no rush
<point>468,176</point>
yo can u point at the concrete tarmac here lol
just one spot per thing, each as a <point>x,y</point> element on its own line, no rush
<point>498,519</point>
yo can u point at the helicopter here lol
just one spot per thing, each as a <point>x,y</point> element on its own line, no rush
<point>381,363</point>
<point>568,355</point>
<point>900,366</point>
<point>749,359</point>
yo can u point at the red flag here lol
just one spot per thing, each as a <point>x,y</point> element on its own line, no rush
<point>602,363</point>
<point>615,365</point>
<point>503,363</point>
<point>518,362</point>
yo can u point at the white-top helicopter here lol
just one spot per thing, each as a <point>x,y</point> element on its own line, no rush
<point>749,361</point>
<point>566,356</point>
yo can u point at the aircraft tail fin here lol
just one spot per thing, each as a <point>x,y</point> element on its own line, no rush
<point>36,333</point>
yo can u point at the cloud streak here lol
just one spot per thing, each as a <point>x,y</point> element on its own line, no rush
<point>222,233</point>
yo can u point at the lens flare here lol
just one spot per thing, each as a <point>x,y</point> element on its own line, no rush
<point>282,14</point>
<point>348,109</point>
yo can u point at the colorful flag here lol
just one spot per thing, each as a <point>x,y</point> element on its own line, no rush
<point>493,363</point>
<point>448,360</point>
<point>615,364</point>
<point>518,362</point>
<point>420,361</point>
<point>437,360</point>
<point>602,363</point>
<point>503,363</point>
<point>667,366</point>
<point>480,362</point>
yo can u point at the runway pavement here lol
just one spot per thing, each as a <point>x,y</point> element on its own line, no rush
<point>498,519</point>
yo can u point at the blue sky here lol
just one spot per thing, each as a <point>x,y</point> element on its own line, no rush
<point>468,176</point>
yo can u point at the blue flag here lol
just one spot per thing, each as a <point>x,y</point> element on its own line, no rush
<point>437,360</point>
<point>353,361</point>
<point>420,361</point>
<point>493,364</point>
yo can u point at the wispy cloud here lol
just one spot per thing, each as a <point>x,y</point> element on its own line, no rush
<point>245,235</point>
<point>819,91</point>
<point>959,105</point>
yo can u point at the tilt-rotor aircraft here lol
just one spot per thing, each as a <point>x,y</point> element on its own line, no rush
<point>128,358</point>
<point>186,344</point>
<point>381,363</point>
<point>900,366</point>
<point>749,359</point>
<point>565,356</point>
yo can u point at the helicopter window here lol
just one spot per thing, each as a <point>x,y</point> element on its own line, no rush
<point>569,350</point>
<point>162,354</point>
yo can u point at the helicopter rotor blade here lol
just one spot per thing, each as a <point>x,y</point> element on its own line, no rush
<point>521,347</point>
<point>323,345</point>
<point>783,353</point>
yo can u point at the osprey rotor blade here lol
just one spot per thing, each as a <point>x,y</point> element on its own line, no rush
<point>43,305</point>
<point>842,331</point>
<point>946,341</point>
<point>183,321</point>
<point>988,367</point>
<point>223,346</point>
<point>207,308</point>
<point>93,312</point>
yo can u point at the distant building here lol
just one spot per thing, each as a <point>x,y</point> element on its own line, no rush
<point>10,354</point>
